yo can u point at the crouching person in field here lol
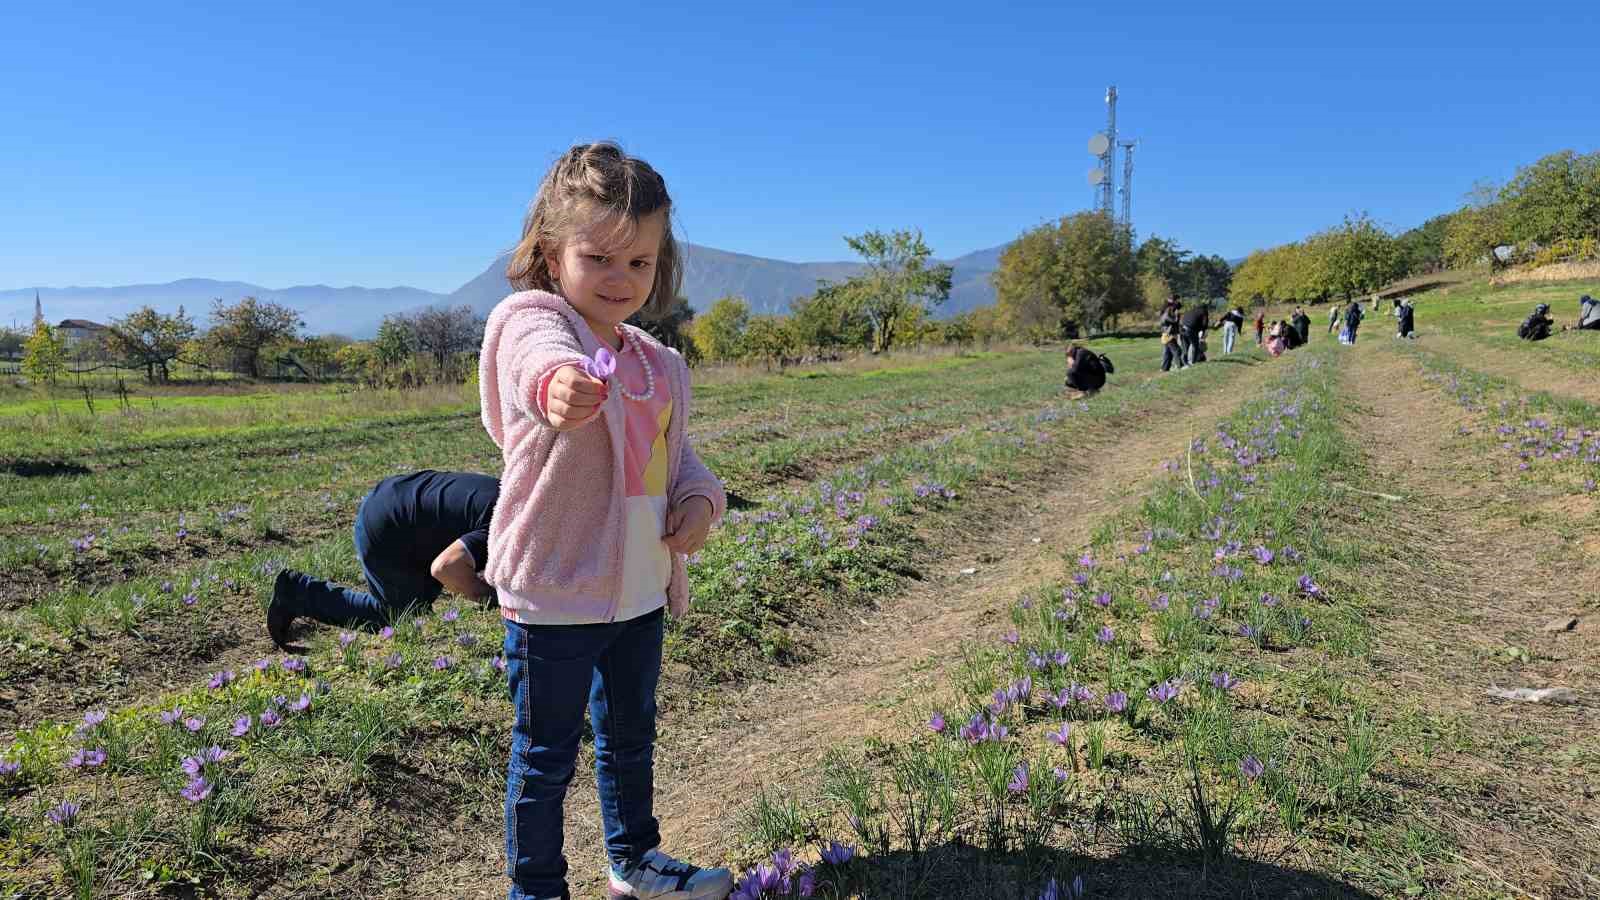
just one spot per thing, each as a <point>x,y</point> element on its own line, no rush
<point>1086,371</point>
<point>1537,326</point>
<point>416,535</point>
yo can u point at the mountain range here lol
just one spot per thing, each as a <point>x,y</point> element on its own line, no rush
<point>766,284</point>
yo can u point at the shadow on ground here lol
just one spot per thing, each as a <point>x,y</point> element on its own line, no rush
<point>963,872</point>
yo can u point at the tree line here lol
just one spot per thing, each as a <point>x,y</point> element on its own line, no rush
<point>1548,212</point>
<point>252,337</point>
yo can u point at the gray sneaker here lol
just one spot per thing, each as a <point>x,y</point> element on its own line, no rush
<point>660,877</point>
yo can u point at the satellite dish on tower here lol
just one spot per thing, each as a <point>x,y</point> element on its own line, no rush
<point>1097,176</point>
<point>1098,145</point>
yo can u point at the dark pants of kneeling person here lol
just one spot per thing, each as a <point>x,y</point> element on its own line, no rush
<point>396,584</point>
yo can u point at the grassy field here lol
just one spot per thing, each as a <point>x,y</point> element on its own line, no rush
<point>1226,632</point>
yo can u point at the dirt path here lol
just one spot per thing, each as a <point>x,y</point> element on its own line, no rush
<point>775,733</point>
<point>1479,562</point>
<point>1527,369</point>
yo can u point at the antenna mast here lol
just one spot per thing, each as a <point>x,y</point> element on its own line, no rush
<point>1127,184</point>
<point>1103,146</point>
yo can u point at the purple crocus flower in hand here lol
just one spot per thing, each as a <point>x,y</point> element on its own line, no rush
<point>602,365</point>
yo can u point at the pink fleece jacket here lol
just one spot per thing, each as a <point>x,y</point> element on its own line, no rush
<point>557,533</point>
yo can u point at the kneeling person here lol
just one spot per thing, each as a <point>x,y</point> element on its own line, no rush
<point>415,535</point>
<point>1086,371</point>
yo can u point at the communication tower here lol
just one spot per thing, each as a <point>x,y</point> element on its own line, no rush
<point>1127,184</point>
<point>1103,177</point>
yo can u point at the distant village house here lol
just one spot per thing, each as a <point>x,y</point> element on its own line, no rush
<point>76,333</point>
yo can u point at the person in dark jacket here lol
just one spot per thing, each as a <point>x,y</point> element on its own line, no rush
<point>1406,325</point>
<point>1086,370</point>
<point>1171,349</point>
<point>1191,332</point>
<point>1232,324</point>
<point>1352,319</point>
<point>1536,327</point>
<point>1261,326</point>
<point>415,535</point>
<point>1302,325</point>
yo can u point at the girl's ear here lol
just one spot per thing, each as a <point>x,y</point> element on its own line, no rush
<point>552,261</point>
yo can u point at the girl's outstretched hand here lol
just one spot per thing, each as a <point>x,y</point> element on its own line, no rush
<point>573,398</point>
<point>688,524</point>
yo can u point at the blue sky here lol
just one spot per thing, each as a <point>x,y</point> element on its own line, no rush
<point>365,143</point>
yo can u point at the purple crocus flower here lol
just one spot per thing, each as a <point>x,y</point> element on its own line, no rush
<point>1251,767</point>
<point>190,599</point>
<point>1102,599</point>
<point>1160,603</point>
<point>221,679</point>
<point>241,726</point>
<point>1309,587</point>
<point>1224,681</point>
<point>467,640</point>
<point>499,663</point>
<point>1086,561</point>
<point>1062,774</point>
<point>1117,702</point>
<point>1062,735</point>
<point>936,724</point>
<point>1105,635</point>
<point>393,661</point>
<point>1019,778</point>
<point>1249,632</point>
<point>602,365</point>
<point>194,723</point>
<point>1268,600</point>
<point>262,665</point>
<point>93,718</point>
<point>1163,692</point>
<point>64,814</point>
<point>301,705</point>
<point>1264,556</point>
<point>837,854</point>
<point>197,790</point>
<point>294,664</point>
<point>386,632</point>
<point>442,663</point>
<point>1080,579</point>
<point>451,614</point>
<point>9,770</point>
<point>270,718</point>
<point>345,640</point>
<point>1010,637</point>
<point>171,716</point>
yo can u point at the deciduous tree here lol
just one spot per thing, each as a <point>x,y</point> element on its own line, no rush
<point>898,280</point>
<point>150,339</point>
<point>244,328</point>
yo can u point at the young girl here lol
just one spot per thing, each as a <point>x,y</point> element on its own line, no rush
<point>601,499</point>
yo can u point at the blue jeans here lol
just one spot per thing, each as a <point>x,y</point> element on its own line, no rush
<point>553,670</point>
<point>1230,333</point>
<point>395,586</point>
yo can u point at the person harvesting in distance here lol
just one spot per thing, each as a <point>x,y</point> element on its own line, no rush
<point>1352,321</point>
<point>1536,327</point>
<point>1261,325</point>
<point>1192,334</point>
<point>1588,313</point>
<point>1232,324</point>
<point>1302,326</point>
<point>1277,340</point>
<point>1406,322</point>
<point>602,498</point>
<point>1333,317</point>
<point>1086,370</point>
<point>415,535</point>
<point>1171,349</point>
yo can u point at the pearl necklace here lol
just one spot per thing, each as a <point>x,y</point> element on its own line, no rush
<point>628,341</point>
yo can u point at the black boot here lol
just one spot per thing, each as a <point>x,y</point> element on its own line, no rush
<point>284,608</point>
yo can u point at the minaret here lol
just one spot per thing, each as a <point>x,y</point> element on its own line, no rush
<point>38,311</point>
